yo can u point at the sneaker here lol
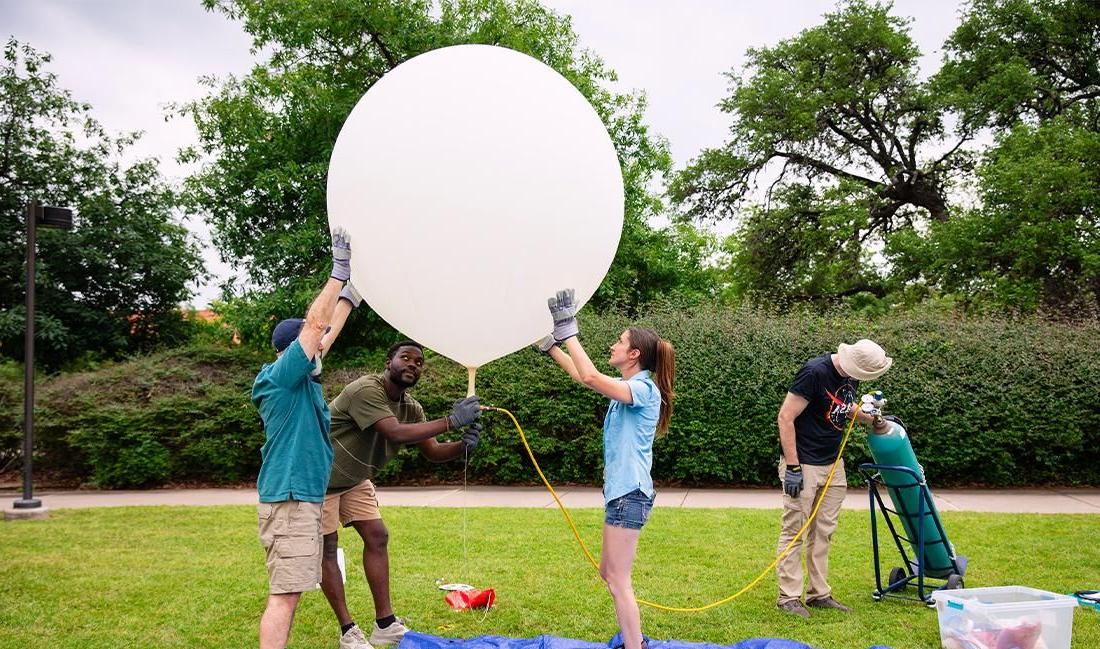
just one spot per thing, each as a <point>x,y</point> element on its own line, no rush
<point>389,635</point>
<point>828,602</point>
<point>794,607</point>
<point>354,639</point>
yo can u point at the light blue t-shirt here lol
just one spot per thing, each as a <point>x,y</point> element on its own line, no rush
<point>628,432</point>
<point>297,456</point>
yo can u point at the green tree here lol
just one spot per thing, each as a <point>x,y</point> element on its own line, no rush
<point>266,138</point>
<point>803,248</point>
<point>1029,70</point>
<point>114,282</point>
<point>1035,241</point>
<point>1025,59</point>
<point>840,110</point>
<point>680,263</point>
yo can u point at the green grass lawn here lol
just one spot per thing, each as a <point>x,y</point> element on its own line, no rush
<point>194,576</point>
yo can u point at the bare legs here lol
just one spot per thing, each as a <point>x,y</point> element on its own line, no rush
<point>376,567</point>
<point>276,620</point>
<point>331,583</point>
<point>616,563</point>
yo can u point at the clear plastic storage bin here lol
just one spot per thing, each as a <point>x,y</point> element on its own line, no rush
<point>1004,617</point>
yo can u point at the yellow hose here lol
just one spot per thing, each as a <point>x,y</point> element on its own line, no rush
<point>682,609</point>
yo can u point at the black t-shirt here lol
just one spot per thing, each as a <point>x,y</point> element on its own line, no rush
<point>820,427</point>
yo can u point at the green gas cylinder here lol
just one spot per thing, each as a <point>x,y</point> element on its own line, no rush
<point>892,447</point>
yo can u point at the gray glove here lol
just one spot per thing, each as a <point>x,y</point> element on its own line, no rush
<point>792,480</point>
<point>341,255</point>
<point>564,311</point>
<point>545,344</point>
<point>465,412</point>
<point>351,295</point>
<point>472,436</point>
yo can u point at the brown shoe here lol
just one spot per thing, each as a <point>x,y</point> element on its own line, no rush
<point>794,607</point>
<point>828,602</point>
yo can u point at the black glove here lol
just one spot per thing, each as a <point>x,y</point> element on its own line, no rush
<point>792,480</point>
<point>465,412</point>
<point>472,436</point>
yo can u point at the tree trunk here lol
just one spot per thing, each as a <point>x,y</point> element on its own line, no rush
<point>920,191</point>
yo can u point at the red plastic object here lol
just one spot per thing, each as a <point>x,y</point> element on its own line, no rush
<point>460,600</point>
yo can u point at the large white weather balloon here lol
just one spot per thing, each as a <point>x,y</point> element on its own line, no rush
<point>475,181</point>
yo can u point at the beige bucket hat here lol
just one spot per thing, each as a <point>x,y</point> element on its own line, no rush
<point>864,360</point>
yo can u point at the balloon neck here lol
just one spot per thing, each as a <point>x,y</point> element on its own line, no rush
<point>471,374</point>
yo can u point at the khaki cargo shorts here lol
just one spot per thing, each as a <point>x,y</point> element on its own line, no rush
<point>360,503</point>
<point>290,532</point>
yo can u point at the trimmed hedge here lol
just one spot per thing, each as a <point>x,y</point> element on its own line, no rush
<point>998,402</point>
<point>178,415</point>
<point>994,401</point>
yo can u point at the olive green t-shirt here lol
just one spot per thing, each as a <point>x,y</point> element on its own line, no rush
<point>360,452</point>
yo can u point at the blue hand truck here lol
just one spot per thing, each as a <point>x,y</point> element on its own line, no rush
<point>914,523</point>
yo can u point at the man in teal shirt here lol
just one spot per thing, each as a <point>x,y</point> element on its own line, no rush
<point>297,454</point>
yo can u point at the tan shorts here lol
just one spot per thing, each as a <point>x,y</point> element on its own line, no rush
<point>290,532</point>
<point>360,503</point>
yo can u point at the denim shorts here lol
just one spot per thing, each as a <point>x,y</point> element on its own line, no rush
<point>630,511</point>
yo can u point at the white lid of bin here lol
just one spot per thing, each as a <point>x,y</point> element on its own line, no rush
<point>994,598</point>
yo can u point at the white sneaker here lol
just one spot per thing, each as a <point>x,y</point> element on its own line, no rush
<point>389,635</point>
<point>354,639</point>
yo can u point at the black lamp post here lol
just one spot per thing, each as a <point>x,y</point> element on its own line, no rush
<point>51,217</point>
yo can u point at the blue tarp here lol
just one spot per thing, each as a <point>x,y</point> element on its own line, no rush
<point>414,640</point>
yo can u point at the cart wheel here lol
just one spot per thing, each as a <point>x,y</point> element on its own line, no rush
<point>954,581</point>
<point>876,596</point>
<point>896,575</point>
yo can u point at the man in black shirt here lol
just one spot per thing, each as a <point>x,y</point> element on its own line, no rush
<point>812,421</point>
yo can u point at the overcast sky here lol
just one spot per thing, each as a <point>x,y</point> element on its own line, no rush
<point>130,58</point>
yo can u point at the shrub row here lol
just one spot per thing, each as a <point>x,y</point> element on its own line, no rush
<point>177,415</point>
<point>997,402</point>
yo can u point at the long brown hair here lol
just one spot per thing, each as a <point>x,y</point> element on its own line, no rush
<point>657,356</point>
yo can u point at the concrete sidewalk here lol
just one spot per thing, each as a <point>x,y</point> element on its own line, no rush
<point>1039,501</point>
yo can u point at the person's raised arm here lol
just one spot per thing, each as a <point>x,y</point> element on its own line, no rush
<point>588,375</point>
<point>549,346</point>
<point>566,363</point>
<point>563,310</point>
<point>320,312</point>
<point>348,300</point>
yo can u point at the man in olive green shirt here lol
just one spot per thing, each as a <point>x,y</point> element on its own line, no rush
<point>372,418</point>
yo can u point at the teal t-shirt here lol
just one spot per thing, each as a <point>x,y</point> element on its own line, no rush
<point>297,456</point>
<point>628,432</point>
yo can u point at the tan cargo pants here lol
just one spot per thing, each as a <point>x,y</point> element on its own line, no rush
<point>817,537</point>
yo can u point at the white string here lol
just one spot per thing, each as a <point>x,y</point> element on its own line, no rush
<point>465,465</point>
<point>464,492</point>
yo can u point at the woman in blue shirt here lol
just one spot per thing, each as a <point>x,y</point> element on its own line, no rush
<point>640,409</point>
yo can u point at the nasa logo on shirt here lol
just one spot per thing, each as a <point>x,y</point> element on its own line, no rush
<point>841,405</point>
